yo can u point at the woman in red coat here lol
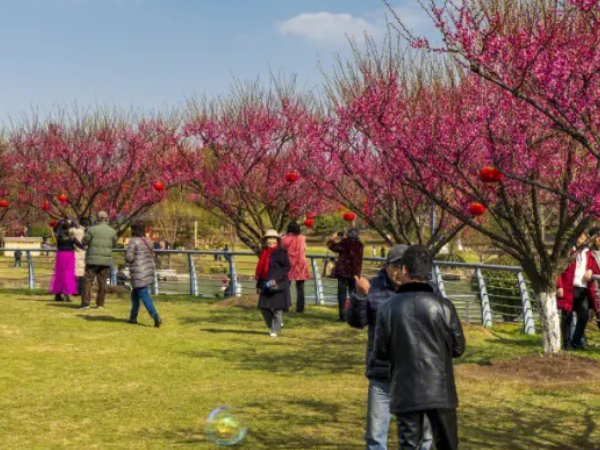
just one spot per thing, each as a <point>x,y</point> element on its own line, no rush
<point>577,294</point>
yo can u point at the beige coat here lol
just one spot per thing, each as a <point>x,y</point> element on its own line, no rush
<point>78,234</point>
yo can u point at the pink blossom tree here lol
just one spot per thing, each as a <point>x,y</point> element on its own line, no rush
<point>239,156</point>
<point>345,160</point>
<point>440,136</point>
<point>537,109</point>
<point>75,167</point>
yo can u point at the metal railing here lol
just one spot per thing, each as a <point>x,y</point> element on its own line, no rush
<point>482,294</point>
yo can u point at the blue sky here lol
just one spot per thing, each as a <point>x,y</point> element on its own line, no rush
<point>152,54</point>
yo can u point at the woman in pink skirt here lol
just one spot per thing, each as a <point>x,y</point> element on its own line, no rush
<point>295,244</point>
<point>64,281</point>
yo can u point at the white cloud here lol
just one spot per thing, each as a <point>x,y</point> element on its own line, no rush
<point>329,27</point>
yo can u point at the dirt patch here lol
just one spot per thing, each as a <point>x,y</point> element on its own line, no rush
<point>245,301</point>
<point>564,370</point>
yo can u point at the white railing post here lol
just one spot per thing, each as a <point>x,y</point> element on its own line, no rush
<point>486,311</point>
<point>528,322</point>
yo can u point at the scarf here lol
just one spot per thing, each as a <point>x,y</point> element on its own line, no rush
<point>262,269</point>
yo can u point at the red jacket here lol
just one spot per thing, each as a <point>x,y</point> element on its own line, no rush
<point>565,281</point>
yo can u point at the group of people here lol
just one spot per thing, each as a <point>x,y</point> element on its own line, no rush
<point>84,255</point>
<point>413,332</point>
<point>577,290</point>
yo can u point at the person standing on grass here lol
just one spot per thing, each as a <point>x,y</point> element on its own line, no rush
<point>100,241</point>
<point>348,266</point>
<point>77,233</point>
<point>576,293</point>
<point>419,333</point>
<point>64,281</point>
<point>295,244</point>
<point>272,283</point>
<point>362,313</point>
<point>18,257</point>
<point>140,257</point>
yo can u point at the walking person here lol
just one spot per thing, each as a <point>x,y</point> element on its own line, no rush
<point>295,245</point>
<point>419,333</point>
<point>140,257</point>
<point>348,266</point>
<point>272,283</point>
<point>77,233</point>
<point>362,313</point>
<point>18,257</point>
<point>63,280</point>
<point>100,241</point>
<point>576,294</point>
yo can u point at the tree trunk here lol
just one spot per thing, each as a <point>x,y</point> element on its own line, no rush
<point>550,322</point>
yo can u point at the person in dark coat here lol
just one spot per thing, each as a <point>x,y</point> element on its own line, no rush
<point>362,313</point>
<point>348,266</point>
<point>419,333</point>
<point>272,283</point>
<point>18,256</point>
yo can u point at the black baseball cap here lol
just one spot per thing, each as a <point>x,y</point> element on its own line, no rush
<point>396,253</point>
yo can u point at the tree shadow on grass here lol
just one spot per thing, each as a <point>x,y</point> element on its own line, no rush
<point>63,305</point>
<point>288,424</point>
<point>229,331</point>
<point>526,428</point>
<point>285,356</point>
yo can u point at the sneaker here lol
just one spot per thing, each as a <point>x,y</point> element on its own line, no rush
<point>132,321</point>
<point>83,307</point>
<point>99,307</point>
<point>158,322</point>
<point>273,334</point>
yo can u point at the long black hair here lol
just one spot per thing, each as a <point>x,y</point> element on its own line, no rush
<point>294,228</point>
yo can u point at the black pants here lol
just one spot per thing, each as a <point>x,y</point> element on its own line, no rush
<point>582,311</point>
<point>443,424</point>
<point>345,288</point>
<point>300,296</point>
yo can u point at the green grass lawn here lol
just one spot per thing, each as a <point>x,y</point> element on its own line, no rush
<point>86,380</point>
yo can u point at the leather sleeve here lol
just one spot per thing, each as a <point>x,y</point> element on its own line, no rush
<point>356,315</point>
<point>458,336</point>
<point>381,349</point>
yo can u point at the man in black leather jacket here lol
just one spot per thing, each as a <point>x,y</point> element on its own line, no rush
<point>420,333</point>
<point>362,313</point>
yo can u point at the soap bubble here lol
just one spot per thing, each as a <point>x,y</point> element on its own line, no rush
<point>223,428</point>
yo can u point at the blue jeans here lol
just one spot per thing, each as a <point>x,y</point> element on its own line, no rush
<point>378,418</point>
<point>143,295</point>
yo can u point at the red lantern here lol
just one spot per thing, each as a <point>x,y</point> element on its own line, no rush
<point>63,198</point>
<point>309,223</point>
<point>53,224</point>
<point>291,177</point>
<point>3,203</point>
<point>490,175</point>
<point>46,205</point>
<point>159,186</point>
<point>477,209</point>
<point>349,216</point>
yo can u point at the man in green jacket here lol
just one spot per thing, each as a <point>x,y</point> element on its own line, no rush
<point>100,241</point>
